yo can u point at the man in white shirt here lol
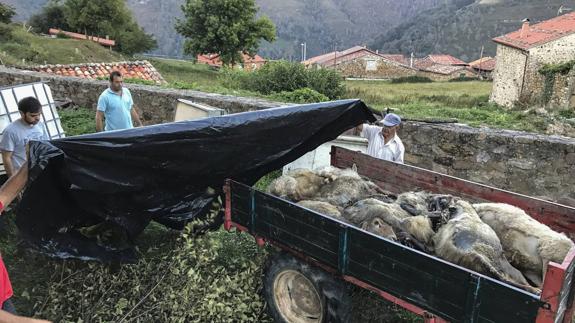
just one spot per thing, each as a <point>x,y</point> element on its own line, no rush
<point>383,142</point>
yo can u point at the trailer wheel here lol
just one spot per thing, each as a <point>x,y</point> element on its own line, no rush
<point>299,293</point>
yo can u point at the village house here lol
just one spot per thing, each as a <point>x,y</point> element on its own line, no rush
<point>361,62</point>
<point>484,67</point>
<point>250,63</point>
<point>522,54</point>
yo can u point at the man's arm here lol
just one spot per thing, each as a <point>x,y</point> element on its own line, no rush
<point>99,121</point>
<point>14,185</point>
<point>135,117</point>
<point>7,161</point>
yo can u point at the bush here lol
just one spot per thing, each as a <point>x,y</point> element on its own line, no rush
<point>139,81</point>
<point>184,85</point>
<point>283,76</point>
<point>62,35</point>
<point>305,95</point>
<point>23,51</point>
<point>51,16</point>
<point>5,32</point>
<point>464,79</point>
<point>327,82</point>
<point>6,13</point>
<point>412,79</point>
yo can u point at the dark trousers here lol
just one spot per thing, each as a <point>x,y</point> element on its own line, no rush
<point>8,306</point>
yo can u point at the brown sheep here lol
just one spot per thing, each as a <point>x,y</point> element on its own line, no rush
<point>297,185</point>
<point>528,244</point>
<point>379,227</point>
<point>466,241</point>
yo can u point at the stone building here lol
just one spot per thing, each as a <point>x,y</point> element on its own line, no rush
<point>484,67</point>
<point>361,62</point>
<point>250,63</point>
<point>522,54</point>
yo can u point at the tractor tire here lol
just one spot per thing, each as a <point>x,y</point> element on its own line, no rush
<point>297,292</point>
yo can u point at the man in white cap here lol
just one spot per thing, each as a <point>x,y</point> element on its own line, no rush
<point>383,142</point>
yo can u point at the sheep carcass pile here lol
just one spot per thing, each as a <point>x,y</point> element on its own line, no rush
<point>497,240</point>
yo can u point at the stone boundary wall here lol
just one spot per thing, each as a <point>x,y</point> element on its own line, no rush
<point>527,163</point>
<point>155,104</point>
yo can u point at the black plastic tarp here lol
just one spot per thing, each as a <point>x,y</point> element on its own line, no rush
<point>162,173</point>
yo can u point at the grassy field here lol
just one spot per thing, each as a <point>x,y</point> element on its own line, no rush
<point>35,49</point>
<point>468,102</point>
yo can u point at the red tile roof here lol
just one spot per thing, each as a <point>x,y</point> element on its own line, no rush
<point>101,41</point>
<point>484,64</point>
<point>138,70</point>
<point>445,59</point>
<point>214,59</point>
<point>540,33</point>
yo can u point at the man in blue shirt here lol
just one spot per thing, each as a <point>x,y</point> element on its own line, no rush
<point>115,105</point>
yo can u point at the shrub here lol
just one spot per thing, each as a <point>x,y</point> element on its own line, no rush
<point>62,35</point>
<point>139,81</point>
<point>283,76</point>
<point>327,82</point>
<point>464,79</point>
<point>6,13</point>
<point>184,85</point>
<point>24,51</point>
<point>5,32</point>
<point>412,79</point>
<point>305,95</point>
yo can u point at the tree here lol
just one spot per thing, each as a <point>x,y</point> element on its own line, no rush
<point>108,18</point>
<point>225,27</point>
<point>51,16</point>
<point>6,13</point>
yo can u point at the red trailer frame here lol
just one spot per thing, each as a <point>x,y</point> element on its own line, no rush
<point>558,287</point>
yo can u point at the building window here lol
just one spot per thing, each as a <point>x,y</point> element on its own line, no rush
<point>371,65</point>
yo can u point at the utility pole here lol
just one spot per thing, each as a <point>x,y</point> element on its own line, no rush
<point>481,62</point>
<point>303,51</point>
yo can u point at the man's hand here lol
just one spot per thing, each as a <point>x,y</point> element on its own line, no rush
<point>136,117</point>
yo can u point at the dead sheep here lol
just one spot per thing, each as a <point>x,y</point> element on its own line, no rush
<point>378,227</point>
<point>321,207</point>
<point>297,185</point>
<point>432,206</point>
<point>466,241</point>
<point>528,244</point>
<point>413,229</point>
<point>346,190</point>
<point>331,173</point>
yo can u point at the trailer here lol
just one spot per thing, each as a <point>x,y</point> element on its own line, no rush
<point>305,282</point>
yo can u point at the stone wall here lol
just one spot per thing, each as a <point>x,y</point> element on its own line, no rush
<point>437,77</point>
<point>508,75</point>
<point>522,162</point>
<point>384,69</point>
<point>155,104</point>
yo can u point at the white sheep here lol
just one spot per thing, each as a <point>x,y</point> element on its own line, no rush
<point>528,244</point>
<point>466,241</point>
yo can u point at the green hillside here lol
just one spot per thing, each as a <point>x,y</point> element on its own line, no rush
<point>19,47</point>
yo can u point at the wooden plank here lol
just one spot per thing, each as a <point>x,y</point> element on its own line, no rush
<point>400,177</point>
<point>499,303</point>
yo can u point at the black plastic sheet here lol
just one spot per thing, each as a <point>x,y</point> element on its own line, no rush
<point>168,173</point>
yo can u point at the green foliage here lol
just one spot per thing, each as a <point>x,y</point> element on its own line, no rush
<point>327,82</point>
<point>5,32</point>
<point>138,81</point>
<point>464,79</point>
<point>184,85</point>
<point>210,278</point>
<point>266,180</point>
<point>96,18</point>
<point>283,76</point>
<point>23,51</point>
<point>77,121</point>
<point>411,79</point>
<point>305,95</point>
<point>225,27</point>
<point>62,35</point>
<point>51,16</point>
<point>6,13</point>
<point>552,69</point>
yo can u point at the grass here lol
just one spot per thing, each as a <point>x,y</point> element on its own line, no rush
<point>468,102</point>
<point>36,49</point>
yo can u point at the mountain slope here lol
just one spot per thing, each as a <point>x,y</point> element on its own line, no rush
<point>462,27</point>
<point>322,24</point>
